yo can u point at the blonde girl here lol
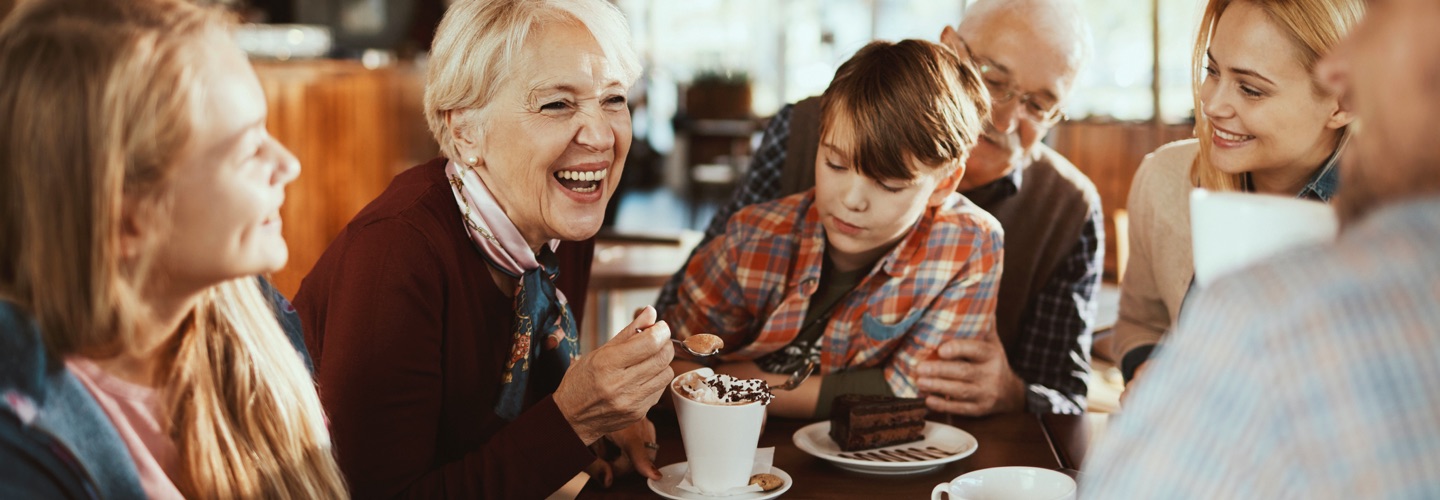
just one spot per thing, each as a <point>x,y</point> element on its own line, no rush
<point>139,197</point>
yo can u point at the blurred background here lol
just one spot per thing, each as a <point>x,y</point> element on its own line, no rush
<point>345,79</point>
<point>344,82</point>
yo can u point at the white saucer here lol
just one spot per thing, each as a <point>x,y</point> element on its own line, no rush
<point>669,485</point>
<point>815,440</point>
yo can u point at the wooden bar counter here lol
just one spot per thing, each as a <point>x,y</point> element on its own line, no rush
<point>353,128</point>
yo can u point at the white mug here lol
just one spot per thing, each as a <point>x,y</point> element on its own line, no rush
<point>1232,230</point>
<point>1008,483</point>
<point>720,440</point>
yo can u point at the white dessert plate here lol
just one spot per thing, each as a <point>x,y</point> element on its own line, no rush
<point>669,485</point>
<point>815,440</point>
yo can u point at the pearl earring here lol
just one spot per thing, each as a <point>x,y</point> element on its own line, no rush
<point>472,160</point>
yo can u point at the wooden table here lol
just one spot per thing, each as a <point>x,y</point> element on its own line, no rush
<point>1069,437</point>
<point>352,128</point>
<point>1007,439</point>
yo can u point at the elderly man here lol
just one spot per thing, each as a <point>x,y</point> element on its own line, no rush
<point>1316,375</point>
<point>1028,52</point>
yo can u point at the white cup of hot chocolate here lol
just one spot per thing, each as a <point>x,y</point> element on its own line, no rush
<point>720,420</point>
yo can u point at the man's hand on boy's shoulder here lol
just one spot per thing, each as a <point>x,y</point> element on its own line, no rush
<point>972,377</point>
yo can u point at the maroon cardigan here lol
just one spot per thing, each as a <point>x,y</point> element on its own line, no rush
<point>410,336</point>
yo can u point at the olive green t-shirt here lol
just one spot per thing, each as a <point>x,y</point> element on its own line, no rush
<point>832,290</point>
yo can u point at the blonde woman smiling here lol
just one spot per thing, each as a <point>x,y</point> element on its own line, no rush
<point>141,195</point>
<point>1264,124</point>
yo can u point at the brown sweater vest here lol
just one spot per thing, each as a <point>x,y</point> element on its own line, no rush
<point>1042,221</point>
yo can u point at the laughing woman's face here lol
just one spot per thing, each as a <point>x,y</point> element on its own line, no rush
<point>552,143</point>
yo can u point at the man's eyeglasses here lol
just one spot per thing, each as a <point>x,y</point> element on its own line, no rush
<point>1002,89</point>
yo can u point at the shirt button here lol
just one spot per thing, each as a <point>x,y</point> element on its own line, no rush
<point>808,286</point>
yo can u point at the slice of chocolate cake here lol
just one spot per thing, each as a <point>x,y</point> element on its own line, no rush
<point>859,422</point>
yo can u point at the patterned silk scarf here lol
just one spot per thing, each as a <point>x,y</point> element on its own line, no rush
<point>544,327</point>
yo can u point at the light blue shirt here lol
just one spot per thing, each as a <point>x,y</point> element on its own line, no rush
<point>1313,375</point>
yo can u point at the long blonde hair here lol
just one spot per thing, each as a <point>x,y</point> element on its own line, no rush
<point>96,104</point>
<point>1314,26</point>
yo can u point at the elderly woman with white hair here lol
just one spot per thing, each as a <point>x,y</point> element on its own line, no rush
<point>444,344</point>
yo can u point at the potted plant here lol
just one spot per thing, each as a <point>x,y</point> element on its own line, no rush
<point>718,94</point>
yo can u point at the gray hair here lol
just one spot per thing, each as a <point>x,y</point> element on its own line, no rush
<point>477,44</point>
<point>1058,23</point>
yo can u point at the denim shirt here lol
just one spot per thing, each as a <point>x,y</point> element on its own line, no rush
<point>55,440</point>
<point>1323,184</point>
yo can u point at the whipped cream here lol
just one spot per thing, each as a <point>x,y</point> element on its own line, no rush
<point>721,389</point>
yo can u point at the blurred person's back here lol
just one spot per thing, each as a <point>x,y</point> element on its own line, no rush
<point>1316,374</point>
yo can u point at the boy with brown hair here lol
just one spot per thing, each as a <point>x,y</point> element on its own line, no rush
<point>877,264</point>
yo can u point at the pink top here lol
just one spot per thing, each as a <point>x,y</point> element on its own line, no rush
<point>133,409</point>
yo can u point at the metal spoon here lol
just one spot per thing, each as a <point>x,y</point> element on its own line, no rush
<point>701,344</point>
<point>796,378</point>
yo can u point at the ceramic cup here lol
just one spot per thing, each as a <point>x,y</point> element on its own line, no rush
<point>1233,230</point>
<point>1008,483</point>
<point>720,440</point>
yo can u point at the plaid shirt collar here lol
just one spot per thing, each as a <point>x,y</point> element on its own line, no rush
<point>999,189</point>
<point>896,262</point>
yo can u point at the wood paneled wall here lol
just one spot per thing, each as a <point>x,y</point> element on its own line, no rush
<point>353,129</point>
<point>1110,153</point>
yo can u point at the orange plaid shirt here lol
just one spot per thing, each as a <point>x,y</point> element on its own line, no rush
<point>752,285</point>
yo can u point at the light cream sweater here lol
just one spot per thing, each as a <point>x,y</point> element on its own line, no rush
<point>1161,265</point>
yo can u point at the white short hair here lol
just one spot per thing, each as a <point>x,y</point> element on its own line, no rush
<point>1060,23</point>
<point>477,44</point>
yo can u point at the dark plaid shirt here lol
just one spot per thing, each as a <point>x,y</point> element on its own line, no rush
<point>1054,339</point>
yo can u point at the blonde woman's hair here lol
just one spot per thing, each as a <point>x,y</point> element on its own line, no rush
<point>97,103</point>
<point>479,42</point>
<point>1314,27</point>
